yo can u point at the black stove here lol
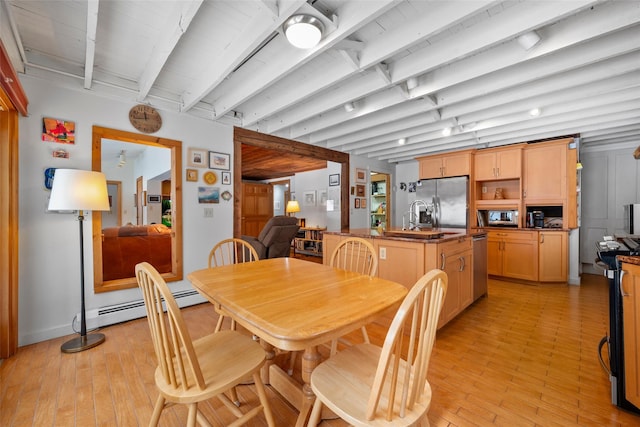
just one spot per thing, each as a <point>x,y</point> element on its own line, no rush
<point>608,252</point>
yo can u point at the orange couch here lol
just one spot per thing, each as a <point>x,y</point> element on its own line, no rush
<point>124,247</point>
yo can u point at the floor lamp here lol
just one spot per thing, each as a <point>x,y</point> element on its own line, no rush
<point>80,190</point>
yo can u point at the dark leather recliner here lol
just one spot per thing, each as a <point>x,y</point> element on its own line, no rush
<point>274,241</point>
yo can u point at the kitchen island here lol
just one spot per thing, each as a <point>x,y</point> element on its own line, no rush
<point>405,256</point>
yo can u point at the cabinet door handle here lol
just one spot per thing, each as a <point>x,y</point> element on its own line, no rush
<point>462,264</point>
<point>443,260</point>
<point>524,194</point>
<point>497,171</point>
<point>494,172</point>
<point>622,292</point>
<point>541,237</point>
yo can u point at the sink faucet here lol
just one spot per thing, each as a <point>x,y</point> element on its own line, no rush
<point>414,214</point>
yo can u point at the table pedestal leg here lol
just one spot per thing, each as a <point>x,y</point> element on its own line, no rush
<point>270,355</point>
<point>310,360</point>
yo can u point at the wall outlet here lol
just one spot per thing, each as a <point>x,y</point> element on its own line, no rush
<point>383,253</point>
<point>208,212</point>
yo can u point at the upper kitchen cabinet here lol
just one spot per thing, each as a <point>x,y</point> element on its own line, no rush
<point>445,165</point>
<point>498,163</point>
<point>546,170</point>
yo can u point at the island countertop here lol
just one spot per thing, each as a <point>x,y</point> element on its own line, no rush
<point>629,259</point>
<point>435,235</point>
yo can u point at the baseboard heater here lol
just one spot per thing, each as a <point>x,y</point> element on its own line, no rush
<point>118,313</point>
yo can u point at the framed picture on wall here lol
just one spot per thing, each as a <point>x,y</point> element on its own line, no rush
<point>361,175</point>
<point>309,198</point>
<point>363,203</point>
<point>226,178</point>
<point>58,130</point>
<point>356,203</point>
<point>197,157</point>
<point>360,190</point>
<point>192,175</point>
<point>218,160</point>
<point>334,180</point>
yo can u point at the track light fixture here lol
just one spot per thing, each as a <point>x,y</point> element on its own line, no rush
<point>303,31</point>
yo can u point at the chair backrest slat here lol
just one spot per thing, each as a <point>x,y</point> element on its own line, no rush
<point>418,314</point>
<point>355,254</point>
<point>176,356</point>
<point>231,251</point>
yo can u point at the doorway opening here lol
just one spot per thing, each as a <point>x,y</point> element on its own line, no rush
<point>380,200</point>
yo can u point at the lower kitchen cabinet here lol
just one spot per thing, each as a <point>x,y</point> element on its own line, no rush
<point>534,255</point>
<point>630,288</point>
<point>513,254</point>
<point>552,256</point>
<point>456,259</point>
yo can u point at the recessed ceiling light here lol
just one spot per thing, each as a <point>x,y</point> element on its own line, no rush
<point>303,31</point>
<point>402,141</point>
<point>446,131</point>
<point>349,107</point>
<point>534,112</point>
<point>528,40</point>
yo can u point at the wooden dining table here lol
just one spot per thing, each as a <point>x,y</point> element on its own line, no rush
<point>294,305</point>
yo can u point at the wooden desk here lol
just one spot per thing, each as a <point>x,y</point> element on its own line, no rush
<point>295,305</point>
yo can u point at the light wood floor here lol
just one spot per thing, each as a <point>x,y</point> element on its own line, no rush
<point>524,356</point>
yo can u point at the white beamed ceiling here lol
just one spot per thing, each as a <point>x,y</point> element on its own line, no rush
<point>227,60</point>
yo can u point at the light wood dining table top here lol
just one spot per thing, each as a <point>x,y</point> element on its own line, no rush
<point>294,304</point>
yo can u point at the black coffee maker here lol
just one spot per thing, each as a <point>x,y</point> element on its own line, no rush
<point>538,219</point>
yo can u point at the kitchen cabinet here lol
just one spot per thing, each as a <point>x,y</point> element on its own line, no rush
<point>513,253</point>
<point>329,244</point>
<point>445,165</point>
<point>400,261</point>
<point>630,289</point>
<point>498,163</point>
<point>456,259</point>
<point>552,256</point>
<point>545,173</point>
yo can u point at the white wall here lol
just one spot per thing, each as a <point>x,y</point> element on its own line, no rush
<point>610,179</point>
<point>49,294</point>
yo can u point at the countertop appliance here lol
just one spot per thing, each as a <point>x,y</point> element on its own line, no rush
<point>479,265</point>
<point>449,199</point>
<point>607,252</point>
<point>502,218</point>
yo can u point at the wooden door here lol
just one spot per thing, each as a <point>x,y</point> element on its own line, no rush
<point>257,207</point>
<point>631,311</point>
<point>494,253</point>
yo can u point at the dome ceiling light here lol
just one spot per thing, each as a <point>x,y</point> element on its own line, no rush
<point>303,31</point>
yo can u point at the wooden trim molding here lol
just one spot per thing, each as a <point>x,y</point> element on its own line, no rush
<point>8,232</point>
<point>10,84</point>
<point>249,137</point>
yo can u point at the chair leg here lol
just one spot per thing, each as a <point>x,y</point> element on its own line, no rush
<point>157,410</point>
<point>219,324</point>
<point>234,396</point>
<point>334,347</point>
<point>316,412</point>
<point>193,411</point>
<point>365,336</point>
<point>292,362</point>
<point>262,395</point>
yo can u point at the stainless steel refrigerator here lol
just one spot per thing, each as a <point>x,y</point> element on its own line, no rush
<point>449,198</point>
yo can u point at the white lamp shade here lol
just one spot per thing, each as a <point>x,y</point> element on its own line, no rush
<point>292,206</point>
<point>303,31</point>
<point>79,190</point>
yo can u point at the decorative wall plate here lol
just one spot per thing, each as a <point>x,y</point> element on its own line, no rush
<point>226,196</point>
<point>210,178</point>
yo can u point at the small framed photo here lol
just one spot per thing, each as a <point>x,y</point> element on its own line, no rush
<point>226,178</point>
<point>197,157</point>
<point>192,175</point>
<point>361,175</point>
<point>309,198</point>
<point>360,190</point>
<point>356,203</point>
<point>61,154</point>
<point>334,180</point>
<point>154,198</point>
<point>208,195</point>
<point>363,203</point>
<point>58,130</point>
<point>218,160</point>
